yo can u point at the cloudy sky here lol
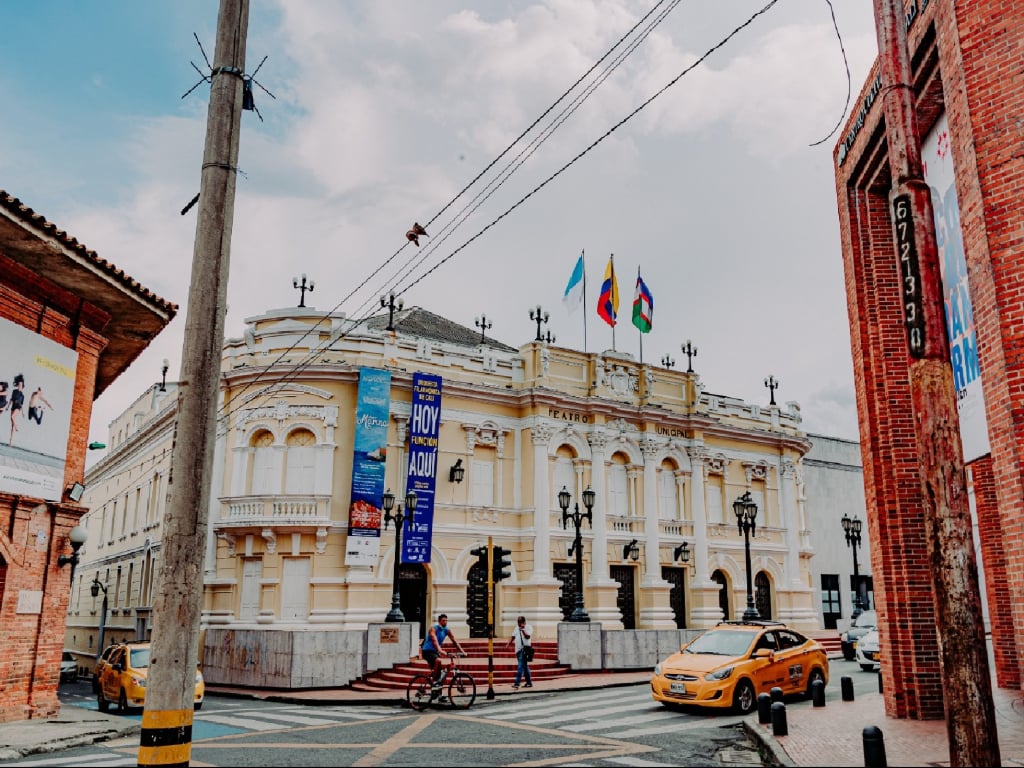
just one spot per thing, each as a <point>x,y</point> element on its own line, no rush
<point>704,174</point>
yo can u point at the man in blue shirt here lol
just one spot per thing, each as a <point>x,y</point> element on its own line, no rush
<point>431,648</point>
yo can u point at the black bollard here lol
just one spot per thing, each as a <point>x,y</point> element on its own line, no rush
<point>779,726</point>
<point>764,708</point>
<point>879,681</point>
<point>818,693</point>
<point>874,747</point>
<point>846,683</point>
<point>776,694</point>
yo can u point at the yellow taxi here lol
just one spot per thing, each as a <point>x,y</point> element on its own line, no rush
<point>122,678</point>
<point>733,662</point>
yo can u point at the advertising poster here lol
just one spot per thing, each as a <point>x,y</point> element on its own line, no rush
<point>424,428</point>
<point>369,459</point>
<point>959,311</point>
<point>37,388</point>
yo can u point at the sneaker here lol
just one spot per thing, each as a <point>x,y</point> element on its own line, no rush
<point>516,685</point>
<point>528,685</point>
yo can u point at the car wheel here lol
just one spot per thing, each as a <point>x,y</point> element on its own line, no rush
<point>198,705</point>
<point>122,702</point>
<point>848,652</point>
<point>816,674</point>
<point>868,667</point>
<point>101,702</point>
<point>743,698</point>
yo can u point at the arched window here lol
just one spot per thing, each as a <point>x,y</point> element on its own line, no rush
<point>618,493</point>
<point>668,502</point>
<point>563,475</point>
<point>763,595</point>
<point>262,478</point>
<point>300,475</point>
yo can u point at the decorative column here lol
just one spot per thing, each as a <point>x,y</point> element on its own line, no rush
<point>539,600</point>
<point>796,600</point>
<point>655,603</point>
<point>602,601</point>
<point>704,608</point>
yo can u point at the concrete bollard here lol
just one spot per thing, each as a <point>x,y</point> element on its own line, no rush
<point>874,747</point>
<point>776,694</point>
<point>818,693</point>
<point>846,683</point>
<point>764,708</point>
<point>779,725</point>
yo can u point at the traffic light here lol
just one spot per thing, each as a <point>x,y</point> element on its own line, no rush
<point>502,563</point>
<point>481,555</point>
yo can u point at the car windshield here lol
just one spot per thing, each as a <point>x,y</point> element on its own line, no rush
<point>140,658</point>
<point>722,642</point>
<point>867,619</point>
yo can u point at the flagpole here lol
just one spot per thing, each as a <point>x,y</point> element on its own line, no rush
<point>615,289</point>
<point>638,330</point>
<point>583,255</point>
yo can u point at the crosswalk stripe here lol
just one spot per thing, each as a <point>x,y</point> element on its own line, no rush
<point>246,724</point>
<point>516,710</point>
<point>92,761</point>
<point>298,719</point>
<point>649,717</point>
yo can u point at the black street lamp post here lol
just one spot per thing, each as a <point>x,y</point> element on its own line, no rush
<point>540,316</point>
<point>668,361</point>
<point>852,529</point>
<point>95,588</point>
<point>395,614</point>
<point>691,352</point>
<point>303,287</point>
<point>746,519</point>
<point>772,383</point>
<point>484,325</point>
<point>391,303</point>
<point>579,614</point>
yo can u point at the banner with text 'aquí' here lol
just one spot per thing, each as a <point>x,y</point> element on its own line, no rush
<point>369,460</point>
<point>424,428</point>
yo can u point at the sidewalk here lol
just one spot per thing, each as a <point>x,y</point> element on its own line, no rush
<point>829,735</point>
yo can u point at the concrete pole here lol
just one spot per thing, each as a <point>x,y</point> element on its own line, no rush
<point>967,683</point>
<point>166,722</point>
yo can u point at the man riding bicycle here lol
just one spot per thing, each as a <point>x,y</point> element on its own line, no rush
<point>431,648</point>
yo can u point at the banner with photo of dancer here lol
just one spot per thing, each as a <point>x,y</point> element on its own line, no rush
<point>369,461</point>
<point>37,390</point>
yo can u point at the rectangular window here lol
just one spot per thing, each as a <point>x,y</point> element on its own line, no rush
<point>481,477</point>
<point>831,604</point>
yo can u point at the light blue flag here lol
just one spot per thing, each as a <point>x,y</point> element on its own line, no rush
<point>573,296</point>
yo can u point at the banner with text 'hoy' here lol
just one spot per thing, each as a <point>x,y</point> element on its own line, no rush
<point>424,428</point>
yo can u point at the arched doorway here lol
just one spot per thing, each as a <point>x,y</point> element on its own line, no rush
<point>412,593</point>
<point>763,595</point>
<point>723,594</point>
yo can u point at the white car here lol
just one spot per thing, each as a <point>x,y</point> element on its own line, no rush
<point>867,651</point>
<point>68,667</point>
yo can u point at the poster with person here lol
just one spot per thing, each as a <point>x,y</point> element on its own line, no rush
<point>37,389</point>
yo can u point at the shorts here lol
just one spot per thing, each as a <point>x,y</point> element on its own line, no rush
<point>430,657</point>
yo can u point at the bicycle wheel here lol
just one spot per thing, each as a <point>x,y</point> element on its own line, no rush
<point>462,691</point>
<point>418,692</point>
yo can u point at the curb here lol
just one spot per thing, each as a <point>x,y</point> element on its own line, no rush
<point>776,754</point>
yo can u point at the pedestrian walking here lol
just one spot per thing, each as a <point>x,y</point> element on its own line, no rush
<point>524,651</point>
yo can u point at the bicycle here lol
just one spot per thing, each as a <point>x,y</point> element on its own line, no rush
<point>421,692</point>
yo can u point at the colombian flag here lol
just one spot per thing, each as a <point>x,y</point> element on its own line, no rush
<point>608,301</point>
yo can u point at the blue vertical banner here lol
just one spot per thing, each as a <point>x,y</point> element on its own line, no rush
<point>369,459</point>
<point>424,428</point>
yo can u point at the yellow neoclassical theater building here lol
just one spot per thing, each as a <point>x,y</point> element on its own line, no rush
<point>295,540</point>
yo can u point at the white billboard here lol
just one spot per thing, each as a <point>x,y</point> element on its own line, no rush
<point>37,390</point>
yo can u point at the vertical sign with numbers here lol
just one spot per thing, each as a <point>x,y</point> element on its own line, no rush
<point>910,274</point>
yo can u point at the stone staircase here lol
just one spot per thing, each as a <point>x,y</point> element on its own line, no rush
<point>830,639</point>
<point>544,666</point>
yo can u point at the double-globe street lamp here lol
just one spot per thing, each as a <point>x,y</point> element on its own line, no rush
<point>578,614</point>
<point>746,519</point>
<point>395,614</point>
<point>852,530</point>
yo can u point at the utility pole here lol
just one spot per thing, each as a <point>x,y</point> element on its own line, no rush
<point>166,736</point>
<point>967,682</point>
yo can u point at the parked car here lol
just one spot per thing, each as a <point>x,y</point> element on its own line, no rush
<point>734,661</point>
<point>867,651</point>
<point>68,667</point>
<point>123,677</point>
<point>101,663</point>
<point>867,621</point>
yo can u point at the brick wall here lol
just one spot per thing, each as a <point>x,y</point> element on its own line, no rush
<point>969,67</point>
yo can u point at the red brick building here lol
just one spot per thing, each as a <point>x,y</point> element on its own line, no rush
<point>968,64</point>
<point>64,312</point>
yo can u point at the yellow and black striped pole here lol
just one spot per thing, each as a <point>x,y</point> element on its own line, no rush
<point>166,737</point>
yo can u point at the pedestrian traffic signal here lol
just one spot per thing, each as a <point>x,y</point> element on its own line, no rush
<point>502,563</point>
<point>481,554</point>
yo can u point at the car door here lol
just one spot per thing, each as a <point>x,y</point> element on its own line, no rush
<point>110,680</point>
<point>766,670</point>
<point>792,661</point>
